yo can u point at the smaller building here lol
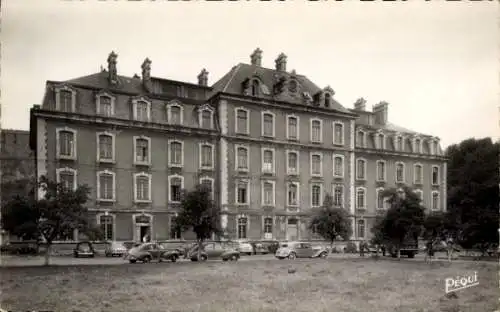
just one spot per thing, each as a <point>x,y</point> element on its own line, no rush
<point>17,164</point>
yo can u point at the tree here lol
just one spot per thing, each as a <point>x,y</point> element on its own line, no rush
<point>58,213</point>
<point>403,220</point>
<point>438,225</point>
<point>473,194</point>
<point>331,222</point>
<point>199,214</point>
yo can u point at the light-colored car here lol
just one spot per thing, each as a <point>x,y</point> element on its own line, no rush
<point>148,252</point>
<point>115,249</point>
<point>292,250</point>
<point>245,248</point>
<point>214,251</point>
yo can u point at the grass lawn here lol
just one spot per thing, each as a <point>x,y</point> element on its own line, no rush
<point>332,285</point>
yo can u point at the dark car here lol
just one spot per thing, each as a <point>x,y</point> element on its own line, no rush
<point>214,251</point>
<point>148,252</point>
<point>84,250</point>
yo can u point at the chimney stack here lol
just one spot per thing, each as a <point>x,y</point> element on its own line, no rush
<point>281,62</point>
<point>360,104</point>
<point>256,57</point>
<point>112,72</point>
<point>380,111</point>
<point>146,73</point>
<point>203,78</point>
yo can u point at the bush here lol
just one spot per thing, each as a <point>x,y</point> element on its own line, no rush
<point>350,248</point>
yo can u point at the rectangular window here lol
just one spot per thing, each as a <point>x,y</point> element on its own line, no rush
<point>338,134</point>
<point>175,115</point>
<point>242,228</point>
<point>338,166</point>
<point>292,128</point>
<point>268,120</point>
<point>360,198</point>
<point>66,143</point>
<point>175,189</point>
<point>435,175</point>
<point>241,121</point>
<point>360,139</point>
<point>106,182</point>
<point>105,147</point>
<point>292,194</point>
<point>142,150</point>
<point>66,101</point>
<point>176,153</point>
<point>242,192</point>
<point>206,119</point>
<point>418,174</point>
<point>175,233</point>
<point>268,225</point>
<point>292,162</point>
<point>268,194</point>
<point>316,195</point>
<point>380,199</point>
<point>142,184</point>
<point>316,165</point>
<point>400,171</point>
<point>242,160</point>
<point>105,106</point>
<point>206,156</point>
<point>106,223</point>
<point>399,144</point>
<point>361,228</point>
<point>435,201</point>
<point>268,164</point>
<point>380,171</point>
<point>67,179</point>
<point>338,195</point>
<point>316,131</point>
<point>381,141</point>
<point>207,183</point>
<point>360,169</point>
<point>142,113</point>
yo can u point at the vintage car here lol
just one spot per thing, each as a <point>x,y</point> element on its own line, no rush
<point>292,250</point>
<point>84,250</point>
<point>148,252</point>
<point>214,251</point>
<point>245,247</point>
<point>115,249</point>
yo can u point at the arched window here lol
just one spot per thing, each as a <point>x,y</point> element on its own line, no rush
<point>328,100</point>
<point>255,87</point>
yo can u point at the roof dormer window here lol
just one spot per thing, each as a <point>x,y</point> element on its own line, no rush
<point>255,87</point>
<point>328,100</point>
<point>292,86</point>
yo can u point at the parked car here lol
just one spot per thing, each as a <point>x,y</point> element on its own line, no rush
<point>84,250</point>
<point>173,246</point>
<point>148,252</point>
<point>115,249</point>
<point>292,250</point>
<point>214,251</point>
<point>245,248</point>
<point>270,245</point>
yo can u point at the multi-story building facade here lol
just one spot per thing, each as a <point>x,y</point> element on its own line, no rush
<point>269,142</point>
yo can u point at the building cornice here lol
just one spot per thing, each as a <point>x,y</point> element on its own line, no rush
<point>367,151</point>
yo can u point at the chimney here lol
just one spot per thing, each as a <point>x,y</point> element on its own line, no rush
<point>203,78</point>
<point>146,73</point>
<point>112,75</point>
<point>256,57</point>
<point>380,111</point>
<point>360,104</point>
<point>281,62</point>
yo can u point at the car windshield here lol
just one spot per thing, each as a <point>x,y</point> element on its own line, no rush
<point>284,245</point>
<point>117,245</point>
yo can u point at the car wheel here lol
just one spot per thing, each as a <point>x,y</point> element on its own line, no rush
<point>203,258</point>
<point>174,258</point>
<point>234,258</point>
<point>108,255</point>
<point>194,259</point>
<point>292,256</point>
<point>249,253</point>
<point>132,261</point>
<point>323,255</point>
<point>225,259</point>
<point>146,259</point>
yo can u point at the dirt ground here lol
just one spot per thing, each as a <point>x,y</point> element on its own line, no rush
<point>263,285</point>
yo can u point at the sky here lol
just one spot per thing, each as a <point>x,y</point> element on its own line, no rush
<point>436,63</point>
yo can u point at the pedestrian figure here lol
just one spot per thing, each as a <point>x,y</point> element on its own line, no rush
<point>362,248</point>
<point>429,250</point>
<point>449,248</point>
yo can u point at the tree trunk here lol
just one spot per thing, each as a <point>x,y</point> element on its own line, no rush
<point>331,246</point>
<point>200,245</point>
<point>48,250</point>
<point>399,253</point>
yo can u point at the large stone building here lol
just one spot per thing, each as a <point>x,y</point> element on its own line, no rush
<point>269,142</point>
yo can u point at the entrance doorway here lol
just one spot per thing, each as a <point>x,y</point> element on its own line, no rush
<point>145,235</point>
<point>143,231</point>
<point>292,229</point>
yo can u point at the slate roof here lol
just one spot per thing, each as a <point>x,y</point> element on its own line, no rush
<point>100,81</point>
<point>232,83</point>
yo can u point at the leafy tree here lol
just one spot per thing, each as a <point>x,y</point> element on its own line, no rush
<point>473,195</point>
<point>438,226</point>
<point>331,222</point>
<point>403,220</point>
<point>58,213</point>
<point>199,214</point>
